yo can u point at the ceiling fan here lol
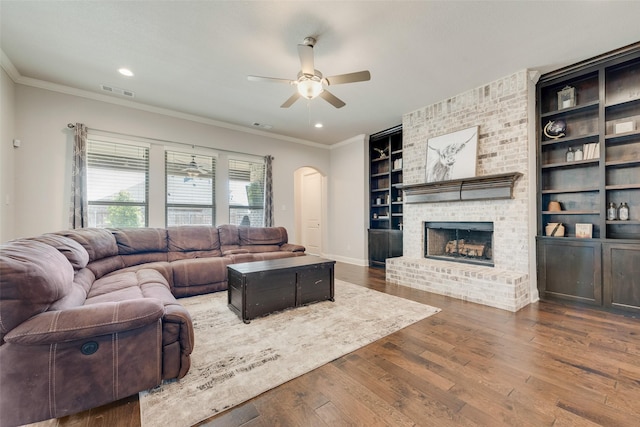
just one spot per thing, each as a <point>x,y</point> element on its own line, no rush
<point>193,169</point>
<point>310,82</point>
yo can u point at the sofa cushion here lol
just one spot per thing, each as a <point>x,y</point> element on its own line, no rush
<point>229,238</point>
<point>193,241</point>
<point>143,258</point>
<point>262,236</point>
<point>82,281</point>
<point>193,238</point>
<point>201,271</point>
<point>161,267</point>
<point>119,286</point>
<point>33,275</point>
<point>72,250</point>
<point>107,265</point>
<point>98,242</point>
<point>140,240</point>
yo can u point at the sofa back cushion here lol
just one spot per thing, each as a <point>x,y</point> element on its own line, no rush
<point>98,242</point>
<point>193,241</point>
<point>140,240</point>
<point>229,238</point>
<point>72,250</point>
<point>249,236</point>
<point>33,275</point>
<point>101,246</point>
<point>141,245</point>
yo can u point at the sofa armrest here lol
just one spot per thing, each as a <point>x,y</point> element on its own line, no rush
<point>176,314</point>
<point>86,321</point>
<point>290,247</point>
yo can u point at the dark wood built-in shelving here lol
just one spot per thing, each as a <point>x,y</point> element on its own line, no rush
<point>385,195</point>
<point>600,270</point>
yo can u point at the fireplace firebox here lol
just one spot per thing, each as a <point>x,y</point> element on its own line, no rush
<point>468,242</point>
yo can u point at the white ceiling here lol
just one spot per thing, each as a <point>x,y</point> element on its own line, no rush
<point>193,57</point>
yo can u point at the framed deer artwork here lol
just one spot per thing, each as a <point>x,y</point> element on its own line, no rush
<point>452,156</point>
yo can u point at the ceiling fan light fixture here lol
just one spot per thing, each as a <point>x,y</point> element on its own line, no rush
<point>310,84</point>
<point>310,87</point>
<point>193,170</point>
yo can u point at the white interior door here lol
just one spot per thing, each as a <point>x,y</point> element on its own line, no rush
<point>311,211</point>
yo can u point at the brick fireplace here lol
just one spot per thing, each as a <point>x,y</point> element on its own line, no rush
<point>503,112</point>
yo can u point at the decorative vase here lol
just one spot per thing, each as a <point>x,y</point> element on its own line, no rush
<point>554,206</point>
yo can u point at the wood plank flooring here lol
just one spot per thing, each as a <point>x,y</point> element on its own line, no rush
<point>469,365</point>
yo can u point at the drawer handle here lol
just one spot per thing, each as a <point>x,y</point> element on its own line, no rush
<point>318,281</point>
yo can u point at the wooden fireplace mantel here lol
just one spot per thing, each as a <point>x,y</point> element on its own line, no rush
<point>489,187</point>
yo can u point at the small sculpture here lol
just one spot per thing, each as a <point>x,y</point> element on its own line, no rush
<point>555,129</point>
<point>383,153</point>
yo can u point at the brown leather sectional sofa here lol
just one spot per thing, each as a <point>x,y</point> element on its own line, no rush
<point>90,316</point>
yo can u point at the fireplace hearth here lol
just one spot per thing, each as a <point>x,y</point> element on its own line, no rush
<point>467,242</point>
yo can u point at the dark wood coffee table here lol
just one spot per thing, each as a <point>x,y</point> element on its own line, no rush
<point>262,287</point>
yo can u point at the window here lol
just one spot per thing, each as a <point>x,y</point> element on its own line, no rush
<point>117,184</point>
<point>190,184</point>
<point>246,192</point>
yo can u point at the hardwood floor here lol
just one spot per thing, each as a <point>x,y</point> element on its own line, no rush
<point>469,365</point>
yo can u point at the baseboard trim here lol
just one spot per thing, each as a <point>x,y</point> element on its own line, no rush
<point>348,260</point>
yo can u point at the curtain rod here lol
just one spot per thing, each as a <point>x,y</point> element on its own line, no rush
<point>164,141</point>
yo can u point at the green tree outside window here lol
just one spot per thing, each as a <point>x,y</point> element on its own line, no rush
<point>123,216</point>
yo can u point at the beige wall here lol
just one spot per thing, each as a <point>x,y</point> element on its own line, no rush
<point>36,176</point>
<point>7,154</point>
<point>348,209</point>
<point>42,164</point>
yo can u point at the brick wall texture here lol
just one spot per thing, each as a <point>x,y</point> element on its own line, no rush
<point>499,109</point>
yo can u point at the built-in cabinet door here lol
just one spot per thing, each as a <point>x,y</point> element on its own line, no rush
<point>378,247</point>
<point>621,276</point>
<point>570,269</point>
<point>395,243</point>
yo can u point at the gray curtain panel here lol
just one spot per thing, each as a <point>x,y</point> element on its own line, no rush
<point>78,212</point>
<point>268,192</point>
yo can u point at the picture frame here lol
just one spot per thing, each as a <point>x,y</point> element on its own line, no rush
<point>452,156</point>
<point>566,98</point>
<point>584,231</point>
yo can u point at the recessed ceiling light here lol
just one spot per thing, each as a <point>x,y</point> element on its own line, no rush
<point>318,125</point>
<point>125,72</point>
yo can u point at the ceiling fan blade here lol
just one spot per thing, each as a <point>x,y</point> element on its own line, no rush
<point>360,76</point>
<point>289,102</point>
<point>332,99</point>
<point>306,59</point>
<point>268,79</point>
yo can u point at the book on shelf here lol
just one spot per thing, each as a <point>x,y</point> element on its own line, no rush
<point>591,150</point>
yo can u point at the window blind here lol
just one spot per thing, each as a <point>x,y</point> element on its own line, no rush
<point>246,192</point>
<point>117,184</point>
<point>190,185</point>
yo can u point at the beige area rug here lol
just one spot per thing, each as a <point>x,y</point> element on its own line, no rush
<point>233,362</point>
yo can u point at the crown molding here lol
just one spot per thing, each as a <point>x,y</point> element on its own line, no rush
<point>17,78</point>
<point>353,139</point>
<point>8,66</point>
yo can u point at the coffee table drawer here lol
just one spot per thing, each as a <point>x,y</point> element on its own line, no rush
<point>269,292</point>
<point>314,284</point>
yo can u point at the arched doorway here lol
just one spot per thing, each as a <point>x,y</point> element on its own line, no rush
<point>309,187</point>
